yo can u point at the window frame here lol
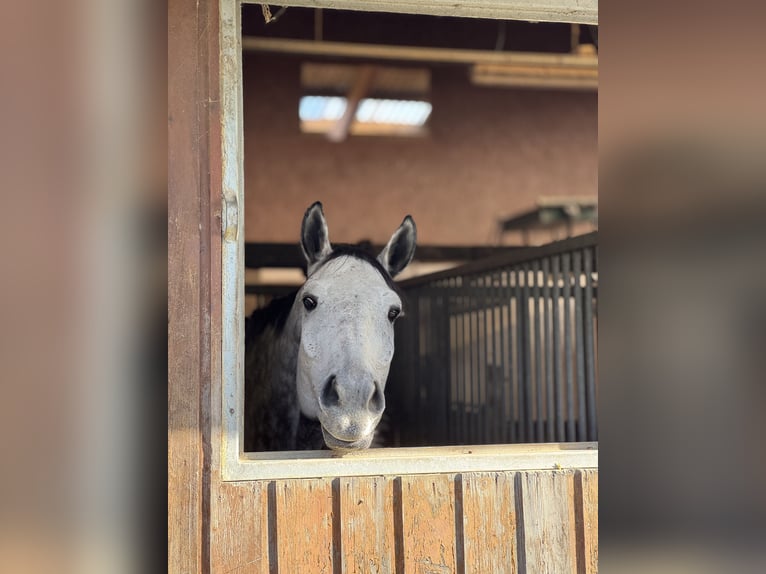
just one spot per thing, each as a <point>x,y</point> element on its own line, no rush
<point>237,465</point>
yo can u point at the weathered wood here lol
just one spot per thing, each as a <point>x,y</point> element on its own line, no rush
<point>304,526</point>
<point>240,535</point>
<point>489,522</point>
<point>367,525</point>
<point>359,90</point>
<point>428,524</point>
<point>587,527</point>
<point>539,521</point>
<point>547,517</point>
<point>188,274</point>
<point>574,11</point>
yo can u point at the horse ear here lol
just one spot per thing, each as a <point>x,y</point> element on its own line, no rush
<point>315,238</point>
<point>401,247</point>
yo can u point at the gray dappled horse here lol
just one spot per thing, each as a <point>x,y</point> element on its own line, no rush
<point>316,361</point>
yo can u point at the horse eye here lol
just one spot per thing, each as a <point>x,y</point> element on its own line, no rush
<point>309,302</point>
<point>393,313</point>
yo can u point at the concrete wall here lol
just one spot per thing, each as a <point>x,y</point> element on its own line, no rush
<point>491,152</point>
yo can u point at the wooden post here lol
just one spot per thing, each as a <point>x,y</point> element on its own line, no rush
<point>192,165</point>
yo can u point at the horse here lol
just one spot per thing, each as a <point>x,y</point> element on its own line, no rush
<point>317,360</point>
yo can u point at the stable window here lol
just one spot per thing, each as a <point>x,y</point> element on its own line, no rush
<point>355,104</point>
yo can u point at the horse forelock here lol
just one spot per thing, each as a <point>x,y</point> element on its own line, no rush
<point>366,256</point>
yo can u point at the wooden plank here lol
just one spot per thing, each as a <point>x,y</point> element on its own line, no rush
<point>547,521</point>
<point>240,533</point>
<point>367,525</point>
<point>188,268</point>
<point>489,522</point>
<point>428,524</point>
<point>359,90</point>
<point>573,11</point>
<point>587,527</point>
<point>304,526</point>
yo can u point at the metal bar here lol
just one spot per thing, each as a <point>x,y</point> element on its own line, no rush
<point>509,387</point>
<point>579,351</point>
<point>488,374</point>
<point>539,381</point>
<point>526,344</point>
<point>460,352</point>
<point>473,335</point>
<point>558,377</point>
<point>496,363</point>
<point>513,258</point>
<point>416,367</point>
<point>589,344</point>
<point>479,368</point>
<point>424,378</point>
<point>452,381</point>
<point>548,335</point>
<point>505,330</point>
<point>520,365</point>
<point>445,355</point>
<point>566,269</point>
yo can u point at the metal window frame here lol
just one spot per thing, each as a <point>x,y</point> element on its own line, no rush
<point>237,465</point>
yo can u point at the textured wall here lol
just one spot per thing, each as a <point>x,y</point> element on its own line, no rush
<point>491,152</point>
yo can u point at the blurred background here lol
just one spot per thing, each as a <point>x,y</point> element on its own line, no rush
<point>379,115</point>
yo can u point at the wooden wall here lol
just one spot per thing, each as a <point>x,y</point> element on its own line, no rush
<point>498,522</point>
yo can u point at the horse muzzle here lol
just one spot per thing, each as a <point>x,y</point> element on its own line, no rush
<point>346,445</point>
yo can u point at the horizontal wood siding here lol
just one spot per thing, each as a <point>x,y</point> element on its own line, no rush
<point>542,521</point>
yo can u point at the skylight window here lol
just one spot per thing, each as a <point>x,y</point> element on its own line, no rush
<point>343,100</point>
<point>319,113</point>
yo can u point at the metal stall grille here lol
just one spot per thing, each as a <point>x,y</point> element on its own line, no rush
<point>501,350</point>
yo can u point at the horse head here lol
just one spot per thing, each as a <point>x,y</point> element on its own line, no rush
<point>346,311</point>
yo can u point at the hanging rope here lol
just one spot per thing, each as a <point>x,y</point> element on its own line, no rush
<point>268,18</point>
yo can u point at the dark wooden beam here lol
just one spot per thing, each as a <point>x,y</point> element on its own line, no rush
<point>258,255</point>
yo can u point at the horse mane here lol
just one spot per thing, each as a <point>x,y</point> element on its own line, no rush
<point>274,315</point>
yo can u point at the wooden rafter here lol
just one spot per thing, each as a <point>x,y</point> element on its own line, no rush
<point>359,90</point>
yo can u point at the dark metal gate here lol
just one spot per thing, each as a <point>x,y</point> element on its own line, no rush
<point>501,350</point>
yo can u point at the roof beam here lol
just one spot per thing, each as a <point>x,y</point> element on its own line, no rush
<point>415,53</point>
<point>339,131</point>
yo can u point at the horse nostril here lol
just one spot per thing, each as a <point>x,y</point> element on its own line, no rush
<point>330,397</point>
<point>377,401</point>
